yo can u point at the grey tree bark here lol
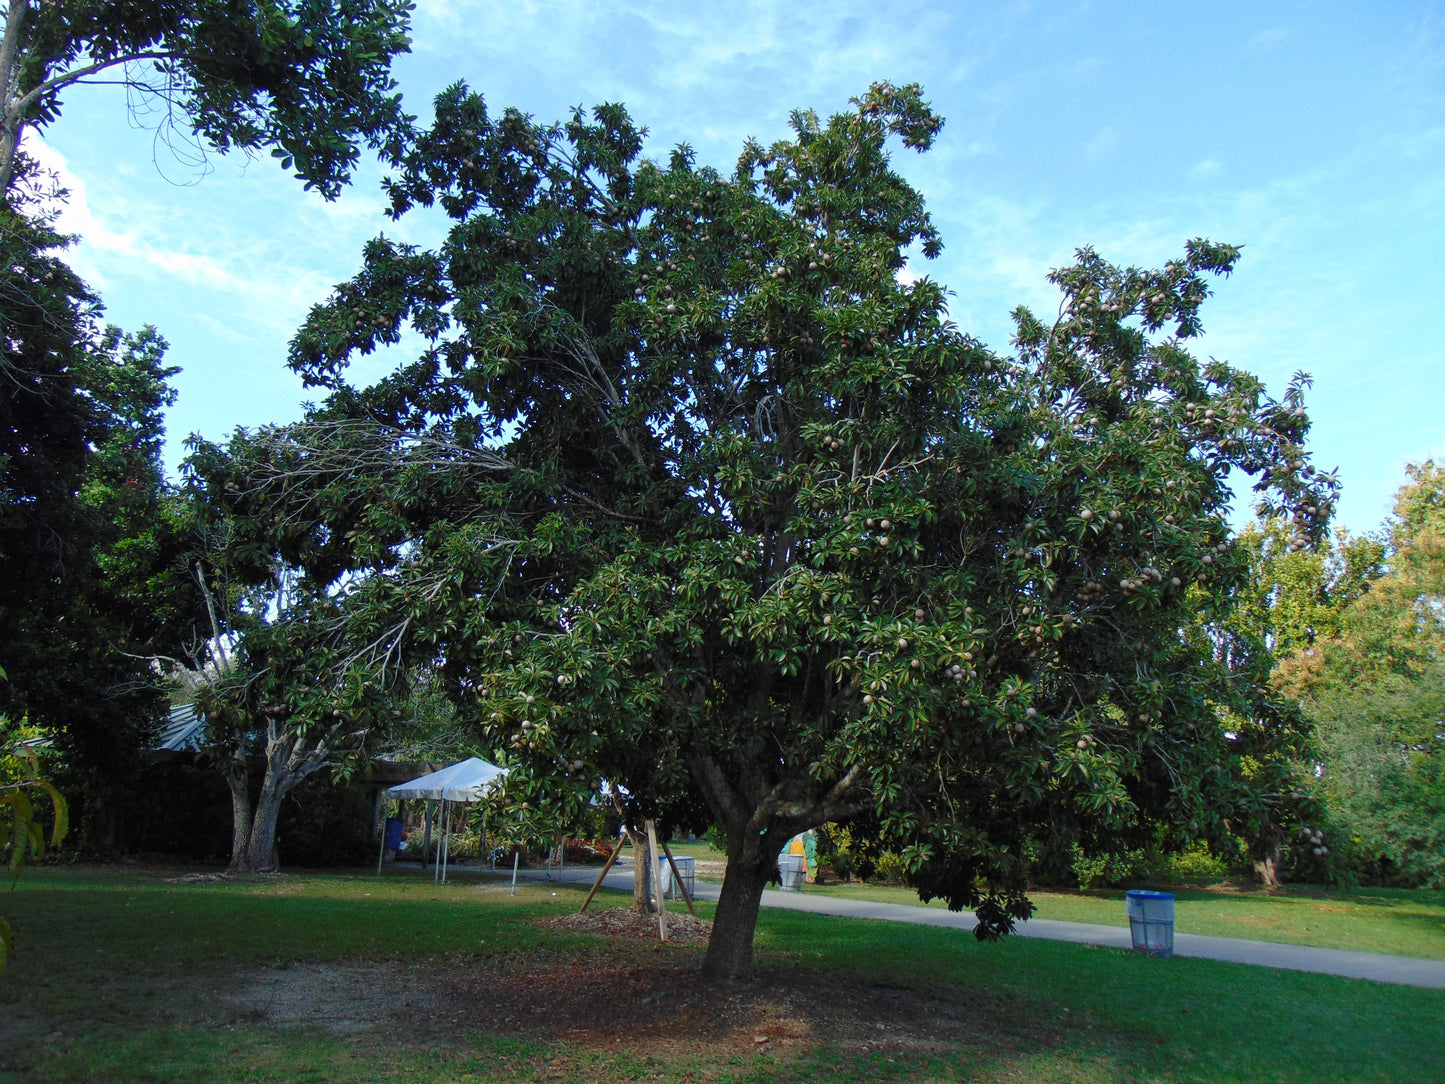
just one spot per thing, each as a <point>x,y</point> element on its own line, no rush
<point>289,760</point>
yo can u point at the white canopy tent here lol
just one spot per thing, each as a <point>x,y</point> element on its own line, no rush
<point>465,782</point>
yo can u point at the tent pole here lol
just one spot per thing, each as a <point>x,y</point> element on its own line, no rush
<point>381,853</point>
<point>516,857</point>
<point>657,881</point>
<point>606,866</point>
<point>446,839</point>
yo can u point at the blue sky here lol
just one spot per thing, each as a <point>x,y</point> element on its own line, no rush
<point>1311,134</point>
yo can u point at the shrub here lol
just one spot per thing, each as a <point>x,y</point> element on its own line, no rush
<point>586,850</point>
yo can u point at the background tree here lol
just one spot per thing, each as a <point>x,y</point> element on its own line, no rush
<point>1395,627</point>
<point>769,531</point>
<point>309,80</point>
<point>1383,753</point>
<point>90,586</point>
<point>314,653</point>
<point>81,408</point>
<point>290,694</point>
<point>1296,595</point>
<point>1372,683</point>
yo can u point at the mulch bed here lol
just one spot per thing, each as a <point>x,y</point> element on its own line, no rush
<point>682,927</point>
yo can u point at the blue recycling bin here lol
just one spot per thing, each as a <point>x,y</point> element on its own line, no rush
<point>394,826</point>
<point>1151,922</point>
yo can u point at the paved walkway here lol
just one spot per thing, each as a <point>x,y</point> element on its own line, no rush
<point>1403,970</point>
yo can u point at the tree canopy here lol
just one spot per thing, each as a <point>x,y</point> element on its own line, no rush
<point>307,79</point>
<point>1392,624</point>
<point>80,485</point>
<point>760,525</point>
<point>1370,678</point>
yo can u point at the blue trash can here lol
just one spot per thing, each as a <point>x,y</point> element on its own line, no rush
<point>1151,922</point>
<point>394,825</point>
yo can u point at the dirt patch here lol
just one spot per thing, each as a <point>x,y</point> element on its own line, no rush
<point>666,1010</point>
<point>620,993</point>
<point>710,869</point>
<point>343,999</point>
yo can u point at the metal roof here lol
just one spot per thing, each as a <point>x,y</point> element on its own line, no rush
<point>185,728</point>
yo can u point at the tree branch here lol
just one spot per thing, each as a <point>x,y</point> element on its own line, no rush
<point>725,802</point>
<point>75,75</point>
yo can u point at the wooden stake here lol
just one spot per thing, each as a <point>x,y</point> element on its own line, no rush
<point>598,883</point>
<point>677,876</point>
<point>657,881</point>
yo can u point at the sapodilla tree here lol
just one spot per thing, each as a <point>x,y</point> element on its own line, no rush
<point>780,535</point>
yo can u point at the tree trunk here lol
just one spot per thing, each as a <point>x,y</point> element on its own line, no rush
<point>240,814</point>
<point>730,948</point>
<point>10,132</point>
<point>260,854</point>
<point>641,872</point>
<point>11,121</point>
<point>1266,854</point>
<point>758,826</point>
<point>1268,868</point>
<point>253,829</point>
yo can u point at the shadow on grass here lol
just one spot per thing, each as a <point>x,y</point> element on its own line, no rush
<point>322,978</point>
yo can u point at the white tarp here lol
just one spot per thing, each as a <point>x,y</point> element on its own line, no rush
<point>467,781</point>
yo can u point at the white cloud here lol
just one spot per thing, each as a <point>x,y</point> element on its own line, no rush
<point>172,252</point>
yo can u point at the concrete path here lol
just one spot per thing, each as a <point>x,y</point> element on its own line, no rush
<point>1402,970</point>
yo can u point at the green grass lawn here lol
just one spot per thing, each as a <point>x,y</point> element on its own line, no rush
<point>135,976</point>
<point>1397,922</point>
<point>700,849</point>
<point>1392,921</point>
